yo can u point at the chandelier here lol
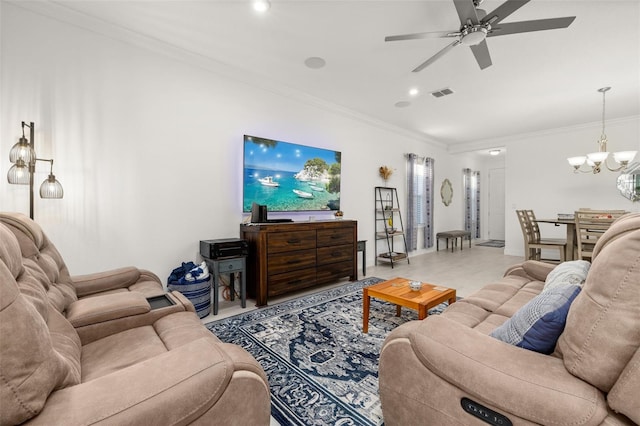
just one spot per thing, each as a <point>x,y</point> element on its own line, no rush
<point>595,159</point>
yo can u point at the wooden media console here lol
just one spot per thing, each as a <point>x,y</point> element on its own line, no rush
<point>285,257</point>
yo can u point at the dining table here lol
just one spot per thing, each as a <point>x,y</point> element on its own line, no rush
<point>571,234</point>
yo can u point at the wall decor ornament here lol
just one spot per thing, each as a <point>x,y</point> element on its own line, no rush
<point>385,173</point>
<point>446,192</point>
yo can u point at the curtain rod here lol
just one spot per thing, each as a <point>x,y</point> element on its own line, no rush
<point>419,157</point>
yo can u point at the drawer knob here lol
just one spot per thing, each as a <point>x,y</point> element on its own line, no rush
<point>294,241</point>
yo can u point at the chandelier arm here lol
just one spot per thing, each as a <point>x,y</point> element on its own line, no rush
<point>579,169</point>
<point>606,163</point>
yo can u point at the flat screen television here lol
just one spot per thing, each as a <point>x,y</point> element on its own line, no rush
<point>289,177</point>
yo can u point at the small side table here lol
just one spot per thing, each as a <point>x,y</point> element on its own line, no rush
<point>228,265</point>
<point>362,246</point>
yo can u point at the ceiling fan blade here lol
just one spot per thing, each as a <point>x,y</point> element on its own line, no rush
<point>504,10</point>
<point>466,10</point>
<point>529,26</point>
<point>417,36</point>
<point>436,56</point>
<point>481,52</point>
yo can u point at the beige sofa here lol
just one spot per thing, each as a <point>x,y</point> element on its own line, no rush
<point>112,358</point>
<point>448,370</point>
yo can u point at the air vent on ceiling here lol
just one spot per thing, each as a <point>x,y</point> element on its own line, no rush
<point>442,92</point>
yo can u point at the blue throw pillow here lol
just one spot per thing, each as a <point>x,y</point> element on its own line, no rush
<point>538,324</point>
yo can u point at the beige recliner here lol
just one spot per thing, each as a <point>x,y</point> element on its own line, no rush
<point>447,370</point>
<point>124,362</point>
<point>35,245</point>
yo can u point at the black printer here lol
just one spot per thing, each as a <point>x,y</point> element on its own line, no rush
<point>226,247</point>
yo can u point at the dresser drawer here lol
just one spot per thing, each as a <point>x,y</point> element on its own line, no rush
<point>334,254</point>
<point>288,261</point>
<point>291,281</point>
<point>333,272</point>
<point>335,236</point>
<point>290,241</point>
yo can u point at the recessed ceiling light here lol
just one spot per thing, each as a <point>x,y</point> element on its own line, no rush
<point>402,104</point>
<point>494,152</point>
<point>414,91</point>
<point>261,5</point>
<point>315,62</point>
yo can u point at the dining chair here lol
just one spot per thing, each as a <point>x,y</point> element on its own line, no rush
<point>533,243</point>
<point>590,225</point>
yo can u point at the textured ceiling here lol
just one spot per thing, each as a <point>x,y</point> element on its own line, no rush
<point>541,80</point>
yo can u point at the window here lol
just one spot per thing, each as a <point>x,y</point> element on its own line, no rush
<point>419,194</point>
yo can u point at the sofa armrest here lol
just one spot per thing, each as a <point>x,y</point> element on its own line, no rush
<point>105,281</point>
<point>175,387</point>
<point>98,330</point>
<point>107,307</point>
<point>531,269</point>
<point>183,300</point>
<point>527,384</point>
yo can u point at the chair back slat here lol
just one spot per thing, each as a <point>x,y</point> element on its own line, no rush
<point>533,243</point>
<point>590,225</point>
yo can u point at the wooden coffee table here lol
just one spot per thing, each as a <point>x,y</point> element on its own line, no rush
<point>397,291</point>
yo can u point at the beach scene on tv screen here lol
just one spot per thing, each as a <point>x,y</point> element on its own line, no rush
<point>286,176</point>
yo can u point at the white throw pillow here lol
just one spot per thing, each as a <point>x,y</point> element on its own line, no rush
<point>567,273</point>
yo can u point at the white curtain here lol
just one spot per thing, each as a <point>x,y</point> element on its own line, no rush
<point>471,182</point>
<point>419,201</point>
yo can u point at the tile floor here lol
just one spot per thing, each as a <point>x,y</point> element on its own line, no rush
<point>465,270</point>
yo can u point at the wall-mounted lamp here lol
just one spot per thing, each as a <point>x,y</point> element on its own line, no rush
<point>24,158</point>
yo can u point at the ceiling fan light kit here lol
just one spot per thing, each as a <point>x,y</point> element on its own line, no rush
<point>595,160</point>
<point>476,26</point>
<point>472,36</point>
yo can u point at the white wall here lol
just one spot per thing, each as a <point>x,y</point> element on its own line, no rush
<point>149,148</point>
<point>538,176</point>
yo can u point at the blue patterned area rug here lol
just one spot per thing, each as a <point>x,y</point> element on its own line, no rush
<point>322,369</point>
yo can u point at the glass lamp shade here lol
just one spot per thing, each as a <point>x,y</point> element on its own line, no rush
<point>576,161</point>
<point>18,174</point>
<point>22,151</point>
<point>624,156</point>
<point>598,157</point>
<point>51,188</point>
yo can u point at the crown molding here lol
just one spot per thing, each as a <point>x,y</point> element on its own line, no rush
<point>68,15</point>
<point>504,140</point>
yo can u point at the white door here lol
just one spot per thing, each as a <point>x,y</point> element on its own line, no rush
<point>496,204</point>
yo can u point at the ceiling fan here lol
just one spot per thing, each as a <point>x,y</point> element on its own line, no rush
<point>476,25</point>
